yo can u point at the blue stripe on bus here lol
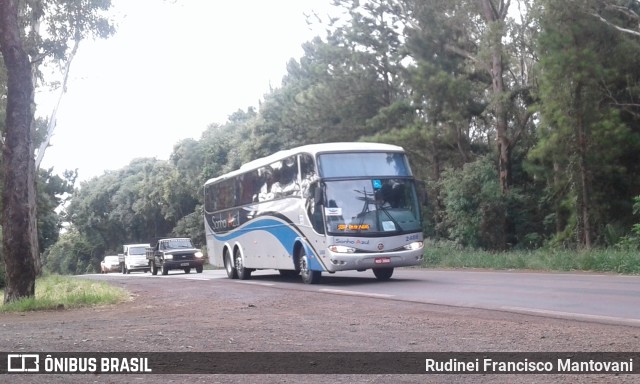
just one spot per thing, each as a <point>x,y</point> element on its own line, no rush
<point>280,230</point>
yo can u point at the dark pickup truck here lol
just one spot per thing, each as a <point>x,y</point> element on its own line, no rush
<point>174,253</point>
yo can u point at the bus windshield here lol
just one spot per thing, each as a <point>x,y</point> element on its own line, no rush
<point>371,206</point>
<point>356,164</point>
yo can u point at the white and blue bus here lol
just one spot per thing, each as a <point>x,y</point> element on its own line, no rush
<point>316,208</point>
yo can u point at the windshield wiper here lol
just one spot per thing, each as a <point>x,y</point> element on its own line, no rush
<point>365,208</point>
<point>383,209</point>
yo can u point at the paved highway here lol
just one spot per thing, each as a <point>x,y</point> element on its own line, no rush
<point>603,298</point>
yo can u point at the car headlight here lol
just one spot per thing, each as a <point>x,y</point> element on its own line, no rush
<point>414,246</point>
<point>341,249</point>
<point>198,254</point>
<point>168,257</point>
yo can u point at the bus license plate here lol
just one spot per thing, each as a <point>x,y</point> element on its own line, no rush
<point>382,260</point>
<point>184,264</point>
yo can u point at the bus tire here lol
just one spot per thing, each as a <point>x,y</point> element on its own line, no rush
<point>308,276</point>
<point>383,274</point>
<point>232,272</point>
<point>243,273</point>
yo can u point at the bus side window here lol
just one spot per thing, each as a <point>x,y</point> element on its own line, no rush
<point>266,178</point>
<point>209,200</point>
<point>314,207</point>
<point>307,175</point>
<point>247,186</point>
<point>286,178</point>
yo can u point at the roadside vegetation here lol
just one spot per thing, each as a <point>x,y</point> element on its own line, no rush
<point>624,261</point>
<point>55,292</point>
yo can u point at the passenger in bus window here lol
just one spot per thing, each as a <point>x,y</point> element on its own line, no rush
<point>285,181</point>
<point>382,196</point>
<point>308,178</point>
<point>265,191</point>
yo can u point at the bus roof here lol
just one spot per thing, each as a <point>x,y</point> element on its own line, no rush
<point>312,149</point>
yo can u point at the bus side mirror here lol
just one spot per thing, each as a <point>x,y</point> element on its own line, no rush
<point>317,195</point>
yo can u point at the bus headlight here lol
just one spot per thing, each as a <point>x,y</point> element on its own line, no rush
<point>341,249</point>
<point>414,246</point>
<point>198,254</point>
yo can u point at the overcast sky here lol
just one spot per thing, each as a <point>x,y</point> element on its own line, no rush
<point>172,69</point>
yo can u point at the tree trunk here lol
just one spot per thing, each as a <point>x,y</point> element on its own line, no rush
<point>584,226</point>
<point>561,216</point>
<point>19,244</point>
<point>493,16</point>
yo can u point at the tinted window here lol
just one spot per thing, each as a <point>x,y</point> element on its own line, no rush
<point>363,164</point>
<point>279,179</point>
<point>220,195</point>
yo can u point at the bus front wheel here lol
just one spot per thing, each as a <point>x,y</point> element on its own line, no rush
<point>308,276</point>
<point>383,274</point>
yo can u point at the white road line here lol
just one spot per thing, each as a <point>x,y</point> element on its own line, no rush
<point>572,315</point>
<point>354,293</point>
<point>255,283</point>
<point>197,278</point>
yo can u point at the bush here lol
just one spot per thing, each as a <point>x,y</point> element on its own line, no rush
<point>442,254</point>
<point>475,209</point>
<point>632,241</point>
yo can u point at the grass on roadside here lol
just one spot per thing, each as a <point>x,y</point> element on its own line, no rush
<point>57,292</point>
<point>596,260</point>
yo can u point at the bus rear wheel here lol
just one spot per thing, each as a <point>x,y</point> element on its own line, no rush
<point>243,273</point>
<point>383,274</point>
<point>308,276</point>
<point>232,273</point>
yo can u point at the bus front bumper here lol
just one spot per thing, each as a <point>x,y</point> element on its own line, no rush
<point>360,261</point>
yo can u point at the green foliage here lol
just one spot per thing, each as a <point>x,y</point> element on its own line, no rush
<point>543,259</point>
<point>191,226</point>
<point>474,208</point>
<point>136,204</point>
<point>631,241</point>
<point>589,135</point>
<point>72,254</point>
<point>58,292</point>
<point>65,21</point>
<point>52,192</point>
